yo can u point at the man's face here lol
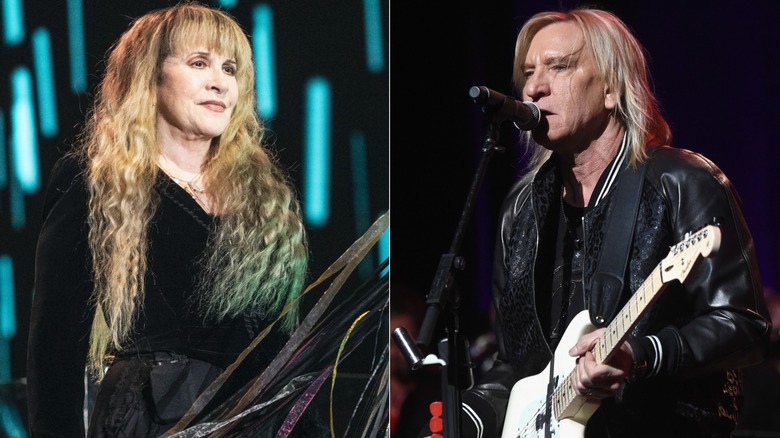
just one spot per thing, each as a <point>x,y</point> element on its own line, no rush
<point>561,77</point>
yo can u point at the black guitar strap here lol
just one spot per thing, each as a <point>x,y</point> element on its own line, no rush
<point>607,283</point>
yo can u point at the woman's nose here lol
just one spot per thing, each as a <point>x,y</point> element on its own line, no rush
<point>218,81</point>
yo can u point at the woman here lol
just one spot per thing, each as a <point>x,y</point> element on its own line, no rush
<point>170,237</point>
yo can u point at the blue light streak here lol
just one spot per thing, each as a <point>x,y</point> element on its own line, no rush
<point>13,22</point>
<point>44,81</point>
<point>24,141</point>
<point>316,158</point>
<point>360,182</point>
<point>372,19</point>
<point>16,200</point>
<point>384,249</point>
<point>78,63</point>
<point>13,426</point>
<point>263,52</point>
<point>7,307</point>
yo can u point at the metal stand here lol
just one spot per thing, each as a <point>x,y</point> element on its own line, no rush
<point>443,297</point>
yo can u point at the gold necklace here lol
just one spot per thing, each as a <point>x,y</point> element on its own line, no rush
<point>190,187</point>
<point>195,191</point>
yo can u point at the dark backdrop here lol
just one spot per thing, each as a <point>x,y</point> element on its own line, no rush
<point>715,69</point>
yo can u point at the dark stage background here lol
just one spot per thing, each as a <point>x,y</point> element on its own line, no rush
<point>325,66</point>
<point>715,69</point>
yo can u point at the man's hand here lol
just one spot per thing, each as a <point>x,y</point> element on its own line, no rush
<point>599,381</point>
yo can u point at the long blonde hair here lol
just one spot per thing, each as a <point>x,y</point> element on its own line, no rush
<point>256,257</point>
<point>621,61</point>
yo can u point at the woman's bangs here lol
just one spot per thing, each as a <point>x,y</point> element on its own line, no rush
<point>213,33</point>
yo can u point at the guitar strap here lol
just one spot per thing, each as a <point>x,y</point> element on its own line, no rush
<point>606,285</point>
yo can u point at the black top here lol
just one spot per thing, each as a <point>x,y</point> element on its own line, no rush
<point>62,314</point>
<point>567,298</point>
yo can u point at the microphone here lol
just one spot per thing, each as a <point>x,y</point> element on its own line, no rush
<point>525,115</point>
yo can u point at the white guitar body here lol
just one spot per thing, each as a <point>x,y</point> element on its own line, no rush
<point>546,404</point>
<point>527,413</point>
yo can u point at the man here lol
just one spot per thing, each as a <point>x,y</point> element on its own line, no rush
<point>678,373</point>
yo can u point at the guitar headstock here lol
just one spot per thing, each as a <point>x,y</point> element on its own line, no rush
<point>684,255</point>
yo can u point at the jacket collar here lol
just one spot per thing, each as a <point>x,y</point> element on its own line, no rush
<point>607,179</point>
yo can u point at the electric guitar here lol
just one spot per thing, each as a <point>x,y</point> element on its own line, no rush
<point>546,404</point>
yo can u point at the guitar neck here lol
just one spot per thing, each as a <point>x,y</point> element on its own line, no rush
<point>628,316</point>
<point>615,333</point>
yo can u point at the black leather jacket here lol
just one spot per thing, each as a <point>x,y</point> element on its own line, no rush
<point>709,328</point>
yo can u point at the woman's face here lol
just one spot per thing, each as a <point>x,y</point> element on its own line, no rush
<point>196,95</point>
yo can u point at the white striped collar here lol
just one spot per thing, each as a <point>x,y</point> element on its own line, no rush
<point>614,169</point>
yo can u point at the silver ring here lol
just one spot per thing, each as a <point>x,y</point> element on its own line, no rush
<point>589,392</point>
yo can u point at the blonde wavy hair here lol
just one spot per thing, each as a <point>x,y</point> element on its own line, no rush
<point>621,61</point>
<point>256,257</point>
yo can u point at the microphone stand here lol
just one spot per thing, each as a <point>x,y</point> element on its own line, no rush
<point>443,297</point>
